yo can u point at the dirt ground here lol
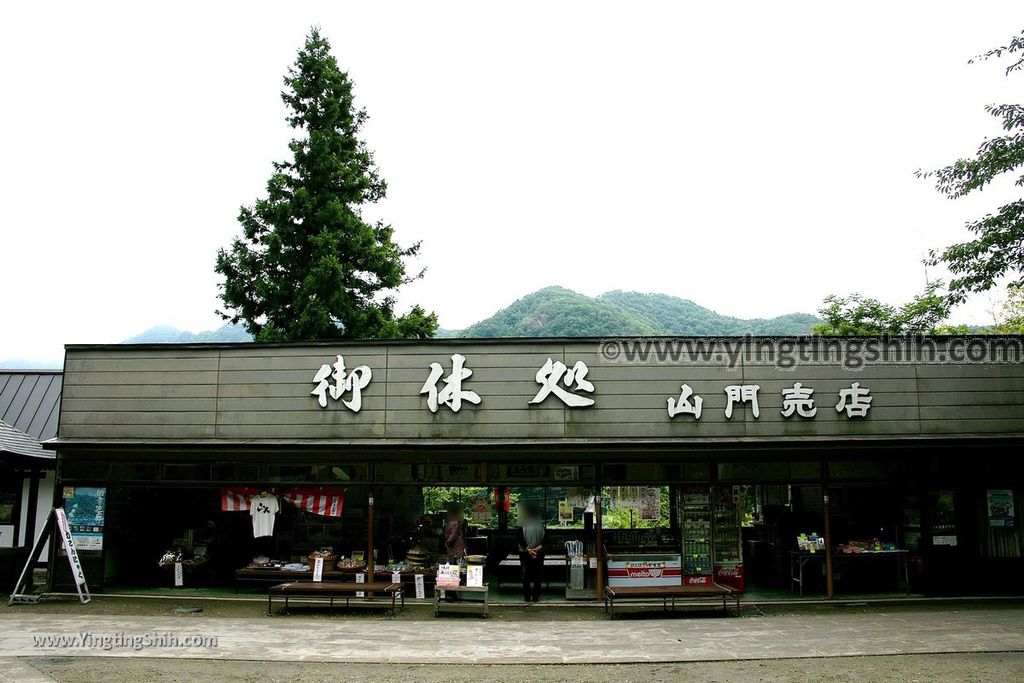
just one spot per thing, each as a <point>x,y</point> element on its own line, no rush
<point>1003,667</point>
<point>257,609</point>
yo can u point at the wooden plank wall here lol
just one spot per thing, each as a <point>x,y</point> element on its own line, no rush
<point>252,392</point>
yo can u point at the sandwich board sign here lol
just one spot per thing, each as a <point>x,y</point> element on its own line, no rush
<point>57,521</point>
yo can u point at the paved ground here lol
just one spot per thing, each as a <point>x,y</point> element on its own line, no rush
<point>1001,667</point>
<point>877,631</point>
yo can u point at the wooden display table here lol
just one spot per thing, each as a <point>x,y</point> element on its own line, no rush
<point>335,589</point>
<point>440,605</point>
<point>670,594</point>
<point>799,559</point>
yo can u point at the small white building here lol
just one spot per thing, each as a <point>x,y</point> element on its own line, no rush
<point>29,410</point>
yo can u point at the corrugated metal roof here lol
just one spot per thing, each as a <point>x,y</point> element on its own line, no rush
<point>30,401</point>
<point>16,442</point>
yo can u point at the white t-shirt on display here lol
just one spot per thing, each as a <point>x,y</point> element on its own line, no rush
<point>263,509</point>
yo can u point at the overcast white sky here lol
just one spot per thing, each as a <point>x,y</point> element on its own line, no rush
<point>750,156</point>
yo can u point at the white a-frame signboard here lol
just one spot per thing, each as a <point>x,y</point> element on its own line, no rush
<point>57,521</point>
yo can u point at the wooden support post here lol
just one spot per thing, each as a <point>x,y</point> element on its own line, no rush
<point>599,545</point>
<point>828,547</point>
<point>33,503</point>
<point>369,538</point>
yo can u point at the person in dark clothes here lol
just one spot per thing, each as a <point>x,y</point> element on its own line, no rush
<point>454,538</point>
<point>454,541</point>
<point>531,552</point>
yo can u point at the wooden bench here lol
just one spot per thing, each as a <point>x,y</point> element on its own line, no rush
<point>335,589</point>
<point>461,605</point>
<point>669,595</point>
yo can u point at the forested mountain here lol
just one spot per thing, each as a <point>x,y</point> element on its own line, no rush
<point>560,312</point>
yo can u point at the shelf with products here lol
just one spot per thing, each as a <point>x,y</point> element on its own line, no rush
<point>725,514</point>
<point>640,540</point>
<point>696,530</point>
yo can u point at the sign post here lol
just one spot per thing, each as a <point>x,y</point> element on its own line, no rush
<point>68,541</point>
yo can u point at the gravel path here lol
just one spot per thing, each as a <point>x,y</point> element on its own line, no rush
<point>962,667</point>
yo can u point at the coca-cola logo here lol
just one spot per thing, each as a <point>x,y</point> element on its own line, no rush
<point>729,571</point>
<point>698,580</point>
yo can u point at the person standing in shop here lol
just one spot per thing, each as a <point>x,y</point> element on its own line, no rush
<point>454,541</point>
<point>454,538</point>
<point>531,552</point>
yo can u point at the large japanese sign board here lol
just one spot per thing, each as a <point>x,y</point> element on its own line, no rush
<point>647,389</point>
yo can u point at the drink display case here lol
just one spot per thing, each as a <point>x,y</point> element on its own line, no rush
<point>694,504</point>
<point>726,517</point>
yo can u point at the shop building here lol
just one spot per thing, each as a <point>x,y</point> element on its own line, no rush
<point>29,404</point>
<point>699,459</point>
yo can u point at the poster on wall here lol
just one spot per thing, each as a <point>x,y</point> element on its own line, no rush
<point>577,496</point>
<point>480,509</point>
<point>1000,508</point>
<point>85,507</point>
<point>565,473</point>
<point>525,471</point>
<point>624,497</point>
<point>650,503</point>
<point>565,512</point>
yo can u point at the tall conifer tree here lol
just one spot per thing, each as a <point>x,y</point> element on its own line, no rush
<point>307,265</point>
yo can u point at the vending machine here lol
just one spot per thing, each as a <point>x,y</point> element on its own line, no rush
<point>727,545</point>
<point>694,508</point>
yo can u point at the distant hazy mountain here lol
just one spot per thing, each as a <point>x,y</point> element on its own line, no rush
<point>560,312</point>
<point>444,333</point>
<point>165,334</point>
